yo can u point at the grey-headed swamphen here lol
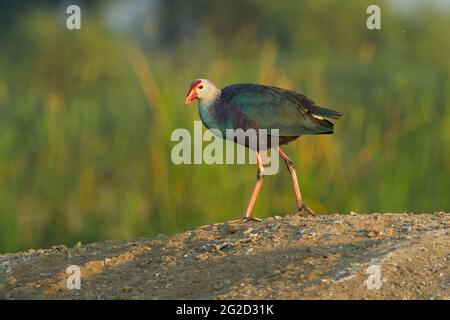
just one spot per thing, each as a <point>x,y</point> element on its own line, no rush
<point>255,106</point>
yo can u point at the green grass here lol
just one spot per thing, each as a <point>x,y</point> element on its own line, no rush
<point>86,119</point>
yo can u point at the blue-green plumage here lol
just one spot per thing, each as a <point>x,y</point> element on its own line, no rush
<point>253,106</point>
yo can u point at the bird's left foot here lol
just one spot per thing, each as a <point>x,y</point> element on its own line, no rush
<point>305,210</point>
<point>248,219</point>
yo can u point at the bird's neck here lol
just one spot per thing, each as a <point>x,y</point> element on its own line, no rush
<point>208,102</point>
<point>206,109</point>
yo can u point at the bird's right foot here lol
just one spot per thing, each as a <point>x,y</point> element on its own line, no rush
<point>305,210</point>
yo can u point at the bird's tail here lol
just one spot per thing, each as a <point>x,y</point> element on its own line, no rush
<point>324,112</point>
<point>327,126</point>
<point>323,127</point>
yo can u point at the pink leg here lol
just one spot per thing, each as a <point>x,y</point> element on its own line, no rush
<point>298,196</point>
<point>259,181</point>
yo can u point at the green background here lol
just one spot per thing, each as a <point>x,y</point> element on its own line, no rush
<point>86,116</point>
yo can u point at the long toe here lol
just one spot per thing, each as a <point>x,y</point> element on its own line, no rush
<point>248,219</point>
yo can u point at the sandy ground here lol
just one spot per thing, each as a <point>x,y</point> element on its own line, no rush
<point>376,256</point>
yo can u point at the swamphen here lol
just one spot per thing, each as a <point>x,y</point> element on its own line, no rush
<point>255,106</point>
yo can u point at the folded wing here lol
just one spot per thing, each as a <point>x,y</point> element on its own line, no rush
<point>259,106</point>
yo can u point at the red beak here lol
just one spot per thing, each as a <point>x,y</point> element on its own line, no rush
<point>192,95</point>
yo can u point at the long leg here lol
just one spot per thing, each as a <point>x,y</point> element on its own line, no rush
<point>298,196</point>
<point>259,181</point>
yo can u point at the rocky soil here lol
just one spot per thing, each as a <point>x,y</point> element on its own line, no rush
<point>376,256</point>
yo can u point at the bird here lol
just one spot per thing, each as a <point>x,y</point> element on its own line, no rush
<point>257,106</point>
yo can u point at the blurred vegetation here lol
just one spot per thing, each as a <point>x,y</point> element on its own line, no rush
<point>86,116</point>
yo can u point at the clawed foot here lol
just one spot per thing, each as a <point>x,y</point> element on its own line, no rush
<point>245,220</point>
<point>248,219</point>
<point>303,210</point>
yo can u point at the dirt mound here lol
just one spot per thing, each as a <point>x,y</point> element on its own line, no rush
<point>376,256</point>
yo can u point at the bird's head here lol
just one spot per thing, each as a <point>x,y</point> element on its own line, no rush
<point>202,89</point>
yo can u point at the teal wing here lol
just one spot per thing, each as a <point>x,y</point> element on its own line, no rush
<point>258,106</point>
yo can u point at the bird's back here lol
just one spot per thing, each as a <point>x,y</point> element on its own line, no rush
<point>257,106</point>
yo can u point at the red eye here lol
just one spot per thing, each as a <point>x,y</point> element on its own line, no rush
<point>201,87</point>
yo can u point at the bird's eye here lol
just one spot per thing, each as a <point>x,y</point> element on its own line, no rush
<point>201,87</point>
